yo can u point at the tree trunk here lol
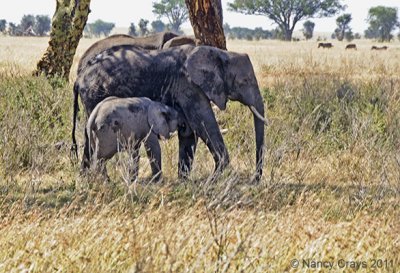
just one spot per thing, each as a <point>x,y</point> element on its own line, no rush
<point>288,33</point>
<point>68,23</point>
<point>207,22</point>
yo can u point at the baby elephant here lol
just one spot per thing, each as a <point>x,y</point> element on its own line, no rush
<point>118,123</point>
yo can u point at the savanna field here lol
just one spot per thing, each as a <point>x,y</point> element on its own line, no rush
<point>329,197</point>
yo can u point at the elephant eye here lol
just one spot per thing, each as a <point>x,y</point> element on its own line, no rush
<point>166,116</point>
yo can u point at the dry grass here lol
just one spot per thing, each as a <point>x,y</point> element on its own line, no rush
<point>330,190</point>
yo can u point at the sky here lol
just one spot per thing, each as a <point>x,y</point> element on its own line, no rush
<point>123,12</point>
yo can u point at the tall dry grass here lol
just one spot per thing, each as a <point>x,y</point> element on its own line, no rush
<point>330,190</point>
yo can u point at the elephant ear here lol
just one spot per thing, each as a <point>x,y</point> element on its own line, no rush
<point>205,68</point>
<point>157,118</point>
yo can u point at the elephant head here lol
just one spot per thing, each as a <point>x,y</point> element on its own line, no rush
<point>163,120</point>
<point>223,75</point>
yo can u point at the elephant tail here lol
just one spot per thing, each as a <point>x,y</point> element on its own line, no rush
<point>74,147</point>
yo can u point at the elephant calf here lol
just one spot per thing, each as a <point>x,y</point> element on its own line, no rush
<point>120,123</point>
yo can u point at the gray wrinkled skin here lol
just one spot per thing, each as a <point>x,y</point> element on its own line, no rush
<point>150,42</point>
<point>186,78</point>
<point>118,124</point>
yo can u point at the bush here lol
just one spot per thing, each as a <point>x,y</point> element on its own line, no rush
<point>33,118</point>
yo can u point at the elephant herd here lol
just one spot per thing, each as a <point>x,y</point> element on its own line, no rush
<point>350,46</point>
<point>145,88</point>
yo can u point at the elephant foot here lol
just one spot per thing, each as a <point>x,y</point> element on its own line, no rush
<point>222,164</point>
<point>256,178</point>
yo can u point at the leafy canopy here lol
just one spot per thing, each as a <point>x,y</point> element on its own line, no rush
<point>308,29</point>
<point>343,26</point>
<point>175,11</point>
<point>99,27</point>
<point>286,13</point>
<point>382,21</point>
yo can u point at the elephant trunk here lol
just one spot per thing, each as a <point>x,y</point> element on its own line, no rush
<point>252,98</point>
<point>259,132</point>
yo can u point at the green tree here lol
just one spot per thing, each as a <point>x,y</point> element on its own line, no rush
<point>308,29</point>
<point>382,21</point>
<point>42,25</point>
<point>99,27</point>
<point>14,29</point>
<point>287,13</point>
<point>349,36</point>
<point>174,10</point>
<point>343,27</point>
<point>132,30</point>
<point>143,27</point>
<point>158,26</point>
<point>27,23</point>
<point>3,25</point>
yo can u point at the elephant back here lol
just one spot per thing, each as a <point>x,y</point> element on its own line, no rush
<point>150,42</point>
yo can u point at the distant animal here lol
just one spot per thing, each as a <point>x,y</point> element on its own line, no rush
<point>351,46</point>
<point>325,45</point>
<point>120,123</point>
<point>379,48</point>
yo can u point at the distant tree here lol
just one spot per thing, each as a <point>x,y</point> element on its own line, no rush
<point>349,36</point>
<point>42,25</point>
<point>143,27</point>
<point>247,33</point>
<point>287,13</point>
<point>259,34</point>
<point>132,30</point>
<point>3,25</point>
<point>27,22</point>
<point>278,34</point>
<point>158,26</point>
<point>371,32</point>
<point>14,29</point>
<point>240,33</point>
<point>67,26</point>
<point>342,23</point>
<point>227,28</point>
<point>175,11</point>
<point>357,36</point>
<point>99,27</point>
<point>308,29</point>
<point>382,21</point>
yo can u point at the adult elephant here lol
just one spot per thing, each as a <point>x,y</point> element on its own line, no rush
<point>186,78</point>
<point>154,41</point>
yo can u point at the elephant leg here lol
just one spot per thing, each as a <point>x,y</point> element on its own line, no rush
<point>187,149</point>
<point>134,171</point>
<point>85,164</point>
<point>216,146</point>
<point>98,164</point>
<point>202,120</point>
<point>153,151</point>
